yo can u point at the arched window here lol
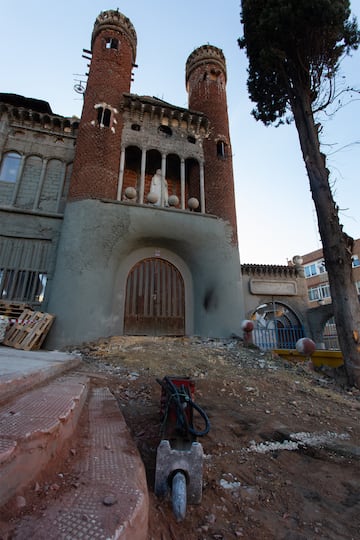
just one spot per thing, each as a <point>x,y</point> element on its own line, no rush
<point>10,167</point>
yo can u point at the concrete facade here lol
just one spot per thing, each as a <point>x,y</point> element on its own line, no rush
<point>93,268</point>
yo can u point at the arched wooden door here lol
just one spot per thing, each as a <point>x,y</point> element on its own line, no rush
<point>155,299</point>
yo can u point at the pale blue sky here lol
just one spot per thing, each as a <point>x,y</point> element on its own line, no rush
<point>41,45</point>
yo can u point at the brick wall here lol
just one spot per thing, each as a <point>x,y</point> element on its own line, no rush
<point>96,165</point>
<point>207,93</point>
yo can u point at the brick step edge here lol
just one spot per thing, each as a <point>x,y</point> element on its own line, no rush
<point>112,500</point>
<point>33,429</point>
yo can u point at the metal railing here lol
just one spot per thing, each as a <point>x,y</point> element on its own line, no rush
<point>277,338</point>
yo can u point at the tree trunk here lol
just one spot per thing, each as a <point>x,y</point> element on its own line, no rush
<point>337,245</point>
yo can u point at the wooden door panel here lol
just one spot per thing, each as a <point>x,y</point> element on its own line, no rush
<point>155,299</point>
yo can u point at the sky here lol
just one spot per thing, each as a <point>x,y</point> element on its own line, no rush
<point>41,45</point>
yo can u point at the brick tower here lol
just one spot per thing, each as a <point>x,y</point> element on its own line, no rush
<point>206,86</point>
<point>96,166</point>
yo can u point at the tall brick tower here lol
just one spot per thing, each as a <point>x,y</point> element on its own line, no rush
<point>96,166</point>
<point>206,85</point>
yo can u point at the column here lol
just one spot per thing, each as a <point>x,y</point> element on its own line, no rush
<point>202,188</point>
<point>163,173</point>
<point>61,187</point>
<point>182,182</point>
<point>121,174</point>
<point>40,185</point>
<point>142,176</point>
<point>18,181</point>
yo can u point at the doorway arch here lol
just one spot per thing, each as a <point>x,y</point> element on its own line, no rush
<point>155,299</point>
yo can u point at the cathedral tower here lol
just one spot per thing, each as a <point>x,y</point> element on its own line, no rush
<point>113,50</point>
<point>206,84</point>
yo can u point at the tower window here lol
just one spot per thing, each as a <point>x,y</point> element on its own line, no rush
<point>103,117</point>
<point>135,127</point>
<point>111,43</point>
<point>191,139</point>
<point>221,149</point>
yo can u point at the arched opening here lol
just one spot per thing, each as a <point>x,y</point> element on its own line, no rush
<point>155,299</point>
<point>192,175</point>
<point>276,326</point>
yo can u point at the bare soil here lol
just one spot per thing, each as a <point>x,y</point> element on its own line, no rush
<point>282,458</point>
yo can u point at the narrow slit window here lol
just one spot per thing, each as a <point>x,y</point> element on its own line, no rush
<point>221,149</point>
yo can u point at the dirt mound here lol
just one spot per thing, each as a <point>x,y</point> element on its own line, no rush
<point>281,458</point>
<point>282,455</point>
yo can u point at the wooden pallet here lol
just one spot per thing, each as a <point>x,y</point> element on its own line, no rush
<point>30,330</point>
<point>12,310</point>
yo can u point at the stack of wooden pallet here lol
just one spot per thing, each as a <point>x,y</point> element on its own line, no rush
<point>12,310</point>
<point>28,328</point>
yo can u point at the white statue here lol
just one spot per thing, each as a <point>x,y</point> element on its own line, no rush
<point>155,188</point>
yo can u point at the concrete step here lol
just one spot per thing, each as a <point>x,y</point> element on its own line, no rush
<point>23,370</point>
<point>111,498</point>
<point>34,428</point>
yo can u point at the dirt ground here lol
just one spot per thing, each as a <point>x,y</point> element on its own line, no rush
<point>282,458</point>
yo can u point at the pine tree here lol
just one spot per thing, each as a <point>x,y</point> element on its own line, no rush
<point>294,48</point>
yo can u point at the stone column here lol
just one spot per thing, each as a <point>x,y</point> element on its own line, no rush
<point>182,181</point>
<point>61,186</point>
<point>142,176</point>
<point>40,185</point>
<point>121,174</point>
<point>202,188</point>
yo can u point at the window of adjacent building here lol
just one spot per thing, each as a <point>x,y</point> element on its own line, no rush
<point>315,268</point>
<point>355,261</point>
<point>10,166</point>
<point>111,43</point>
<point>357,285</point>
<point>320,292</point>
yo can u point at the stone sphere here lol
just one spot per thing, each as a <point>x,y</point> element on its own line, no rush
<point>130,193</point>
<point>173,200</point>
<point>152,197</point>
<point>247,326</point>
<point>193,203</point>
<point>305,346</point>
<point>297,260</point>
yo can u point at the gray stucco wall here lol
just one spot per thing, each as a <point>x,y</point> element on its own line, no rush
<point>101,241</point>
